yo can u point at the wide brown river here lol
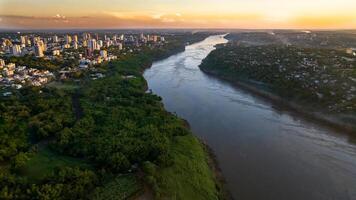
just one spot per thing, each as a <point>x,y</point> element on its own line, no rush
<point>265,152</point>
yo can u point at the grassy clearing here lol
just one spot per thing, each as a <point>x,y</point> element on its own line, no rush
<point>45,161</point>
<point>69,86</point>
<point>122,187</point>
<point>190,176</point>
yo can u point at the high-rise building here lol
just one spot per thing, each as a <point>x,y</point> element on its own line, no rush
<point>39,50</point>
<point>99,44</point>
<point>92,45</point>
<point>28,42</point>
<point>85,43</point>
<point>43,45</point>
<point>119,46</point>
<point>155,38</point>
<point>131,38</point>
<point>16,50</point>
<point>6,43</point>
<point>35,40</point>
<point>68,39</point>
<point>75,45</point>
<point>86,36</point>
<point>55,39</point>
<point>75,38</point>
<point>108,43</point>
<point>2,63</point>
<point>23,39</point>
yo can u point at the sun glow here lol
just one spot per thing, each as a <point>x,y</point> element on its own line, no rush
<point>178,14</point>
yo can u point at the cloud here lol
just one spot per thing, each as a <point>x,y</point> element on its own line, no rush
<point>173,20</point>
<point>58,16</point>
<point>127,20</point>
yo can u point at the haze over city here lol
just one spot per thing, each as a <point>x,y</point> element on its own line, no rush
<point>253,14</point>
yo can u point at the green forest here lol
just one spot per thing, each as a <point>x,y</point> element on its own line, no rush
<point>102,139</point>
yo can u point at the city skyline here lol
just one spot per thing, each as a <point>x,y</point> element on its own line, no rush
<point>254,14</point>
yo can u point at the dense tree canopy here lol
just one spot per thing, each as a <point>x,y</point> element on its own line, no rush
<point>76,147</point>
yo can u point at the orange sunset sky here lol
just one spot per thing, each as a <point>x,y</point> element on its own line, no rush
<point>254,14</point>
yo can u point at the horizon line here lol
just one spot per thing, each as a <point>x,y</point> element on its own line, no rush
<point>176,28</point>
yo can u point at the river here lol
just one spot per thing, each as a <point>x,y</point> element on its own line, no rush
<point>264,151</point>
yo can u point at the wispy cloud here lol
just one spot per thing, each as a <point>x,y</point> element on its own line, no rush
<point>179,13</point>
<point>175,20</point>
<point>58,16</point>
<point>127,20</point>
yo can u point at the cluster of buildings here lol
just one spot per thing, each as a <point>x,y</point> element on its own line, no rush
<point>18,76</point>
<point>328,74</point>
<point>89,49</point>
<point>25,46</point>
<point>49,46</point>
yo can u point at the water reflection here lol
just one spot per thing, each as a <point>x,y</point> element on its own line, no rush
<point>264,151</point>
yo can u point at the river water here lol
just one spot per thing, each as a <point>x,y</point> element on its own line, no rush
<point>264,151</point>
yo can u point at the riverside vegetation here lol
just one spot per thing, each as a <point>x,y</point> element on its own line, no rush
<point>321,78</point>
<point>102,139</point>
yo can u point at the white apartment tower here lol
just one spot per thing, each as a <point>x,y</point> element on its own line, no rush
<point>75,38</point>
<point>92,45</point>
<point>2,63</point>
<point>68,39</point>
<point>16,50</point>
<point>39,50</point>
<point>55,38</point>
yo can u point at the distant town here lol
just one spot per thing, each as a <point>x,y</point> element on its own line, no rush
<point>314,66</point>
<point>80,51</point>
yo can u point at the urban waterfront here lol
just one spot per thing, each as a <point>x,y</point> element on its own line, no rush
<point>264,151</point>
